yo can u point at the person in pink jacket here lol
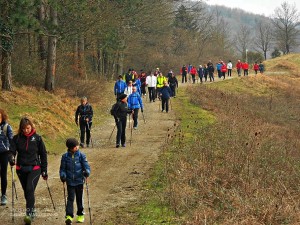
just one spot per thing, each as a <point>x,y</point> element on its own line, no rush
<point>193,73</point>
<point>255,67</point>
<point>239,66</point>
<point>223,69</point>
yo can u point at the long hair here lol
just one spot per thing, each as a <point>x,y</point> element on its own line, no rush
<point>4,115</point>
<point>25,121</point>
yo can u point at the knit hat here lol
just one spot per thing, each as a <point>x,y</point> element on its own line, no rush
<point>122,96</point>
<point>71,143</point>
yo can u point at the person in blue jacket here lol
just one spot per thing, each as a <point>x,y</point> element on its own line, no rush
<point>119,87</point>
<point>74,169</point>
<point>135,103</point>
<point>6,136</point>
<point>165,95</point>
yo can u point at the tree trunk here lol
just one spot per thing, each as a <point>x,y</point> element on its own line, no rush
<point>41,38</point>
<point>51,59</point>
<point>6,71</point>
<point>81,58</point>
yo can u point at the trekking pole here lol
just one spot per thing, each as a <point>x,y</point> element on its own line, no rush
<point>14,183</point>
<point>12,194</point>
<point>112,132</point>
<point>88,125</point>
<point>65,195</point>
<point>88,197</point>
<point>143,117</point>
<point>130,135</point>
<point>50,195</point>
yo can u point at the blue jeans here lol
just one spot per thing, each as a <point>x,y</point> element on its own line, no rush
<point>72,192</point>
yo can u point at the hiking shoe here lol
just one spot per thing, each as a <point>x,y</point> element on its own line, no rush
<point>123,145</point>
<point>117,146</point>
<point>27,220</point>
<point>81,145</point>
<point>80,218</point>
<point>135,128</point>
<point>3,200</point>
<point>87,145</point>
<point>69,220</point>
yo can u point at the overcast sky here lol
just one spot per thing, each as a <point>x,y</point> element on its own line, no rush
<point>263,7</point>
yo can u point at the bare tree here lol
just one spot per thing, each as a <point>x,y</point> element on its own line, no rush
<point>243,40</point>
<point>263,37</point>
<point>286,20</point>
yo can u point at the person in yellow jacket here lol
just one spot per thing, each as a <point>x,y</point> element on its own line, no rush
<point>160,83</point>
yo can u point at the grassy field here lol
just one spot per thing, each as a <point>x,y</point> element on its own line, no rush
<point>234,159</point>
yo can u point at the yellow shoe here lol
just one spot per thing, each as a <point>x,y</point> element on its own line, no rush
<point>80,219</point>
<point>69,220</point>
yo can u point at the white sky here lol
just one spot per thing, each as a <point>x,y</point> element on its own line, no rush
<point>263,7</point>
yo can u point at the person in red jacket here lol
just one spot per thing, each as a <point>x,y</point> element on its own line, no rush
<point>245,68</point>
<point>255,67</point>
<point>193,73</point>
<point>223,69</point>
<point>239,66</point>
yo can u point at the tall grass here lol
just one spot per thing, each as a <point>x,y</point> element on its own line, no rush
<point>244,168</point>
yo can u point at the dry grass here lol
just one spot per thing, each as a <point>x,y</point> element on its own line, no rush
<point>243,169</point>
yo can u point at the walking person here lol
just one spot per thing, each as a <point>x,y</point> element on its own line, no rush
<point>229,68</point>
<point>239,66</point>
<point>223,69</point>
<point>6,136</point>
<point>205,72</point>
<point>160,83</point>
<point>200,73</point>
<point>165,94</point>
<point>121,119</point>
<point>173,84</point>
<point>184,74</point>
<point>219,66</point>
<point>211,70</point>
<point>74,169</point>
<point>143,83</point>
<point>245,67</point>
<point>128,89</point>
<point>134,104</point>
<point>193,74</point>
<point>255,68</point>
<point>261,67</point>
<point>151,81</point>
<point>119,87</point>
<point>31,162</point>
<point>84,114</point>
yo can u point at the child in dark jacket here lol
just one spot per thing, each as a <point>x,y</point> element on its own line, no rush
<point>165,94</point>
<point>74,169</point>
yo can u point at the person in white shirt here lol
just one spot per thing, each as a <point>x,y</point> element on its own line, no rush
<point>151,82</point>
<point>229,68</point>
<point>128,89</point>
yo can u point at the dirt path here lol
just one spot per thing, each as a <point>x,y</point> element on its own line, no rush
<point>116,175</point>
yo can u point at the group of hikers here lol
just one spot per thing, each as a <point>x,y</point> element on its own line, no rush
<point>26,154</point>
<point>129,90</point>
<point>222,68</point>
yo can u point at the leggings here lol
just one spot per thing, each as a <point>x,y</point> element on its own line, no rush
<point>3,164</point>
<point>29,181</point>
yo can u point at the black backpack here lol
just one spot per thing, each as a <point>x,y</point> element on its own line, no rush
<point>114,109</point>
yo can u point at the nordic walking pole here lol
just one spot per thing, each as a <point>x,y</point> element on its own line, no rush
<point>12,195</point>
<point>90,134</point>
<point>50,195</point>
<point>14,182</point>
<point>143,117</point>
<point>88,197</point>
<point>112,132</point>
<point>65,194</point>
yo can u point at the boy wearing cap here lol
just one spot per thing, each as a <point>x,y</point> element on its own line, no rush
<point>121,119</point>
<point>74,169</point>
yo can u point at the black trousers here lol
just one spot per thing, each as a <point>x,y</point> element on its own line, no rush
<point>3,167</point>
<point>229,72</point>
<point>184,78</point>
<point>121,131</point>
<point>85,128</point>
<point>72,192</point>
<point>173,89</point>
<point>135,117</point>
<point>29,181</point>
<point>151,91</point>
<point>165,104</point>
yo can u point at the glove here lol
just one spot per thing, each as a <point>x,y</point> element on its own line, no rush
<point>142,110</point>
<point>85,174</point>
<point>45,175</point>
<point>63,179</point>
<point>12,162</point>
